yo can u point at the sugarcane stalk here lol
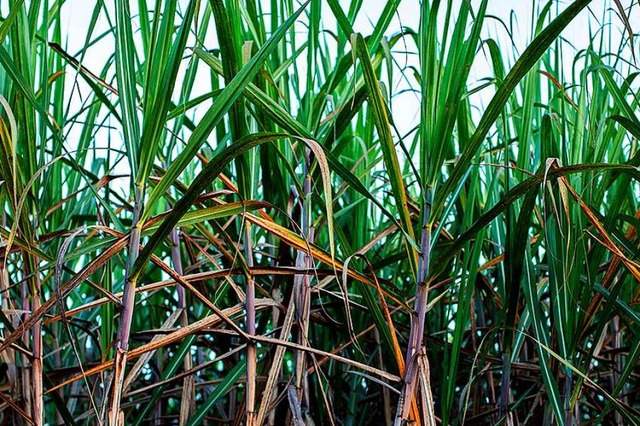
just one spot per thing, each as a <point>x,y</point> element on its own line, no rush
<point>414,348</point>
<point>188,383</point>
<point>128,302</point>
<point>302,288</point>
<point>252,358</point>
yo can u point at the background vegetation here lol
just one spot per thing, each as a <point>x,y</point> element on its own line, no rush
<point>223,223</point>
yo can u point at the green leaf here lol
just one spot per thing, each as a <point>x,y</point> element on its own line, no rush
<point>527,60</point>
<point>125,75</point>
<point>200,183</point>
<point>162,78</point>
<point>217,111</point>
<point>218,392</point>
<point>211,213</point>
<point>381,120</point>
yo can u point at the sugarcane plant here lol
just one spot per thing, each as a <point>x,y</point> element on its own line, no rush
<point>214,212</point>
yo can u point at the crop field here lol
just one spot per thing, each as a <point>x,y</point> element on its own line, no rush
<point>321,212</point>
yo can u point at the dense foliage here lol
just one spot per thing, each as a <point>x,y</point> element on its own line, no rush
<point>226,222</point>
